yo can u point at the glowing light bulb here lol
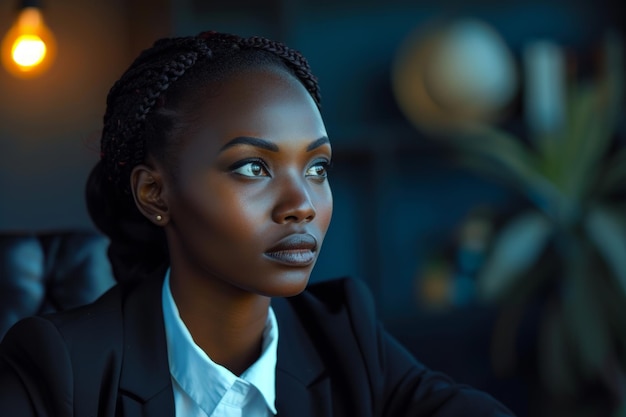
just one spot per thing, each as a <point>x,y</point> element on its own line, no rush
<point>28,51</point>
<point>28,47</point>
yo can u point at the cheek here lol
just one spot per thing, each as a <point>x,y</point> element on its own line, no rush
<point>222,214</point>
<point>325,209</point>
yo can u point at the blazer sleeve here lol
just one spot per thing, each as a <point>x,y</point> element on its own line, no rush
<point>411,389</point>
<point>35,371</point>
<point>399,384</point>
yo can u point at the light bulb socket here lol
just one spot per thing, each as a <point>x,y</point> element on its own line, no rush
<point>30,3</point>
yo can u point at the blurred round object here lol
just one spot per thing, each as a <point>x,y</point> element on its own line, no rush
<point>454,76</point>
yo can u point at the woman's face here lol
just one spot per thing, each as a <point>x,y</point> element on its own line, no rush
<point>250,203</point>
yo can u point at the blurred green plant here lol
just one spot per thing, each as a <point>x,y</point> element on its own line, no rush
<point>571,239</point>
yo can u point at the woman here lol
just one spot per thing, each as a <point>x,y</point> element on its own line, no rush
<point>212,187</point>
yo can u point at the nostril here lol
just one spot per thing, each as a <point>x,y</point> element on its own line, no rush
<point>295,204</point>
<point>301,217</point>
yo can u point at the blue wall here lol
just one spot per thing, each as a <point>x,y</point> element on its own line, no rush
<point>399,198</point>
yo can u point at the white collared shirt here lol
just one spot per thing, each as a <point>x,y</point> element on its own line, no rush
<point>203,388</point>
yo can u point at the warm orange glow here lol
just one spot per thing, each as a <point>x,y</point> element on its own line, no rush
<point>28,51</point>
<point>28,47</point>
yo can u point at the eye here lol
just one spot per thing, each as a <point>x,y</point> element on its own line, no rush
<point>251,169</point>
<point>318,170</point>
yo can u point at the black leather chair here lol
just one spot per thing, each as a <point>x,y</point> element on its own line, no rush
<point>51,271</point>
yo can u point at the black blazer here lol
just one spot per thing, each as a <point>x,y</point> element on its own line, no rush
<point>109,359</point>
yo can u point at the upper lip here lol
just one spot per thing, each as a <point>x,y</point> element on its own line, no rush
<point>294,242</point>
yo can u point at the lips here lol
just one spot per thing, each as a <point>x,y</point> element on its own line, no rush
<point>294,250</point>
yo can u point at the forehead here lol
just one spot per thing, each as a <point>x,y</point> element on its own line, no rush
<point>266,102</point>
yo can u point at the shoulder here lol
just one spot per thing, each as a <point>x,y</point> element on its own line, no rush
<point>101,310</point>
<point>55,325</point>
<point>58,359</point>
<point>340,316</point>
<point>35,368</point>
<point>48,344</point>
<point>62,334</point>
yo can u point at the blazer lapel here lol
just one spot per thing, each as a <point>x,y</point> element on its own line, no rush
<point>145,382</point>
<point>302,386</point>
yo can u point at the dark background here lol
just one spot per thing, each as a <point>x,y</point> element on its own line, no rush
<point>399,198</point>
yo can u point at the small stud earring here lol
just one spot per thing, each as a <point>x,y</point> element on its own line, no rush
<point>159,218</point>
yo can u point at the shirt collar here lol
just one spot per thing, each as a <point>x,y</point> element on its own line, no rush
<point>205,381</point>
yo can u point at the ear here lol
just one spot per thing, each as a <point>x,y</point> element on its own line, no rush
<point>147,186</point>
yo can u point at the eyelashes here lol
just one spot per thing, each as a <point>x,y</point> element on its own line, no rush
<point>257,168</point>
<point>250,168</point>
<point>319,169</point>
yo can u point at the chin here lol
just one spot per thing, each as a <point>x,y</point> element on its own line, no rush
<point>288,285</point>
<point>292,291</point>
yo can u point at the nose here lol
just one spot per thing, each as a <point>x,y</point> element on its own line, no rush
<point>294,203</point>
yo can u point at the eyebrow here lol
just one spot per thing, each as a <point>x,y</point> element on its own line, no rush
<point>267,145</point>
<point>317,143</point>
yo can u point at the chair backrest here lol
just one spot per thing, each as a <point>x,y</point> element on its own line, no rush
<point>41,273</point>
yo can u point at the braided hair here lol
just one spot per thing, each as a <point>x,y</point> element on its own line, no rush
<point>145,109</point>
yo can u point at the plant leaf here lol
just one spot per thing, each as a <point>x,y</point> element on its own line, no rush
<point>614,176</point>
<point>607,231</point>
<point>585,141</point>
<point>583,312</point>
<point>515,250</point>
<point>613,302</point>
<point>554,353</point>
<point>499,154</point>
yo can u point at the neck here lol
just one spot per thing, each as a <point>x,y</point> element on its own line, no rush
<point>227,323</point>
